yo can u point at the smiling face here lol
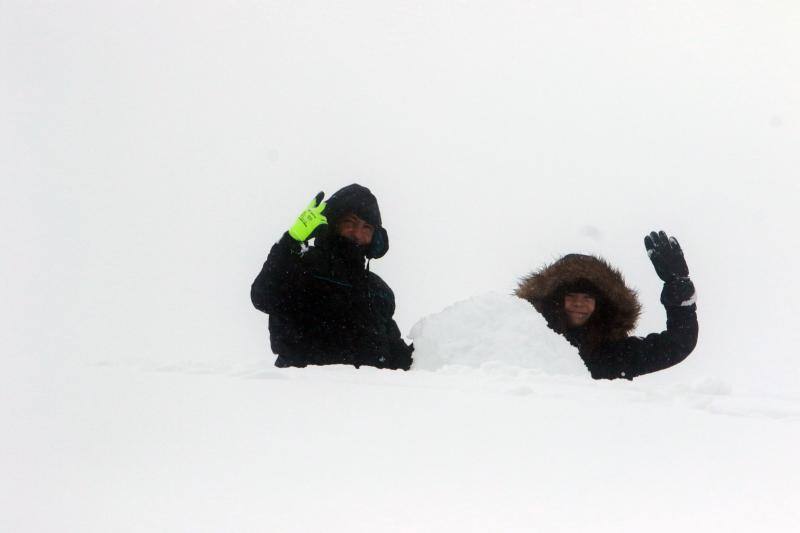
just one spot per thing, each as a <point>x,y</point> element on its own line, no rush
<point>355,229</point>
<point>578,308</point>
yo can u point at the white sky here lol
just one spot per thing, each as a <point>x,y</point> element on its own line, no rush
<point>151,152</point>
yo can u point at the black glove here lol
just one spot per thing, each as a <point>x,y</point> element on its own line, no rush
<point>678,293</point>
<point>666,255</point>
<point>402,356</point>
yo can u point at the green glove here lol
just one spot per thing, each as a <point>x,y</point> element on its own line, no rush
<point>310,219</point>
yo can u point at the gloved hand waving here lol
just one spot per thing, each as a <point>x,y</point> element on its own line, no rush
<point>309,220</point>
<point>666,255</point>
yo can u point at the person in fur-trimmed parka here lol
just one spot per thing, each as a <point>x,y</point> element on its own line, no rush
<point>586,300</point>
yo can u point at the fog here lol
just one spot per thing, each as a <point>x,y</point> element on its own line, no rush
<point>152,152</point>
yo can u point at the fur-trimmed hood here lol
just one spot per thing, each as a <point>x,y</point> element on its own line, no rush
<point>618,306</point>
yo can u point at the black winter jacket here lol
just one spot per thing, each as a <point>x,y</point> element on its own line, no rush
<point>604,343</point>
<point>634,356</point>
<point>326,308</point>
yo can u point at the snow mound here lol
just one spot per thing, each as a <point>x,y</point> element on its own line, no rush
<point>490,329</point>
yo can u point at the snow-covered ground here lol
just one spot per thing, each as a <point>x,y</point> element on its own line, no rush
<point>502,432</point>
<point>334,449</point>
<point>151,152</point>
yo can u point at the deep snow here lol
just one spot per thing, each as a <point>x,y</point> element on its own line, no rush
<point>151,152</point>
<point>496,428</point>
<point>488,329</point>
<point>494,448</point>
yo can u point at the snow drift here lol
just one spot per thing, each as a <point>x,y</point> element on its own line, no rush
<point>493,328</point>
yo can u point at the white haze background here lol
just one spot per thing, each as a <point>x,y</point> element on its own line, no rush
<point>152,152</point>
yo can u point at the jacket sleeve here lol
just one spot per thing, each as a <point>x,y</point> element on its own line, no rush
<point>635,356</point>
<point>274,287</point>
<point>398,353</point>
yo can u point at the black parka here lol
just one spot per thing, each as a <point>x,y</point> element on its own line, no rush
<point>604,343</point>
<point>325,307</point>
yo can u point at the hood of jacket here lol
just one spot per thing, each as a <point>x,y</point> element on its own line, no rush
<point>360,201</point>
<point>355,199</point>
<point>618,306</point>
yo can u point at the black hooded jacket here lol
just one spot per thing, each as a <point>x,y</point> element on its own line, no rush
<point>604,343</point>
<point>325,307</point>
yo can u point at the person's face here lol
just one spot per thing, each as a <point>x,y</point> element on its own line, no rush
<point>355,229</point>
<point>578,307</point>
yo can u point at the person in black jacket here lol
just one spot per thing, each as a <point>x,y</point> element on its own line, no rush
<point>325,307</point>
<point>586,300</point>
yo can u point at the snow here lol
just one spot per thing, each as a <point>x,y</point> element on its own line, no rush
<point>495,427</point>
<point>255,448</point>
<point>493,329</point>
<point>690,301</point>
<point>151,153</point>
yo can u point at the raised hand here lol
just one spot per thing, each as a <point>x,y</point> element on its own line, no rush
<point>309,220</point>
<point>666,255</point>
